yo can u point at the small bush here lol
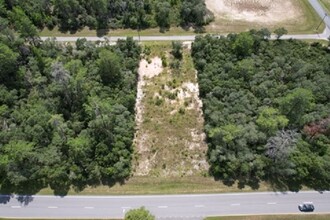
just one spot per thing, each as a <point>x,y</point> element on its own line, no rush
<point>139,214</point>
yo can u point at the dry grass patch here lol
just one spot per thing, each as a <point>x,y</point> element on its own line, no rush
<point>240,15</point>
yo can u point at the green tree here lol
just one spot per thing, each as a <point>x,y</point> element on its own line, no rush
<point>279,150</point>
<point>271,120</point>
<point>243,44</point>
<point>109,67</point>
<point>162,16</point>
<point>177,49</point>
<point>8,64</point>
<point>280,32</point>
<point>296,104</point>
<point>24,26</point>
<point>139,214</point>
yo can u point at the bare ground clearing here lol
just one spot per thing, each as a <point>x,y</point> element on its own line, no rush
<point>261,11</point>
<point>169,139</point>
<point>240,15</point>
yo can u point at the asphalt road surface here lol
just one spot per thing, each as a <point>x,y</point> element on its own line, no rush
<point>163,207</point>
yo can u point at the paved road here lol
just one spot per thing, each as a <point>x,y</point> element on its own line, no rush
<point>164,207</point>
<point>322,36</point>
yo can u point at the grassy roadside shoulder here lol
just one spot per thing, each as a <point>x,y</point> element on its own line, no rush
<point>161,186</point>
<point>326,5</point>
<point>274,217</point>
<point>86,32</point>
<point>53,219</point>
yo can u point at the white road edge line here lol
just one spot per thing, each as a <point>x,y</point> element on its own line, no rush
<point>16,207</point>
<point>236,204</point>
<point>271,203</point>
<point>199,206</point>
<point>163,207</point>
<point>52,207</point>
<point>88,207</point>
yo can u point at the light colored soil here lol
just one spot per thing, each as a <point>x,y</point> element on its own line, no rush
<point>259,11</point>
<point>146,71</point>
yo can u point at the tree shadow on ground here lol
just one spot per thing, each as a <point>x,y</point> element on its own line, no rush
<point>24,199</point>
<point>102,32</point>
<point>5,198</point>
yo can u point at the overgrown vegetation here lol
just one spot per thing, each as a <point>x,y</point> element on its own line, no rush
<point>66,113</point>
<point>267,110</point>
<point>170,135</point>
<point>73,15</point>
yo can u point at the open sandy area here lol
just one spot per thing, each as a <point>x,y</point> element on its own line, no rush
<point>258,11</point>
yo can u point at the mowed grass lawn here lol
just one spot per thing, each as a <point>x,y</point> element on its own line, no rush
<point>302,216</point>
<point>326,5</point>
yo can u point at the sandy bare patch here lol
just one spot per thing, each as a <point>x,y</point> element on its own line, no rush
<point>146,71</point>
<point>152,69</point>
<point>187,44</point>
<point>260,11</point>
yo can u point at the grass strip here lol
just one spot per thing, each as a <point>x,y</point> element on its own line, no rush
<point>55,219</point>
<point>326,5</point>
<point>274,217</point>
<point>162,185</point>
<point>86,32</point>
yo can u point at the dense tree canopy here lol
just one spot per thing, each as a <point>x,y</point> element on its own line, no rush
<point>73,15</point>
<point>267,109</point>
<point>66,113</point>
